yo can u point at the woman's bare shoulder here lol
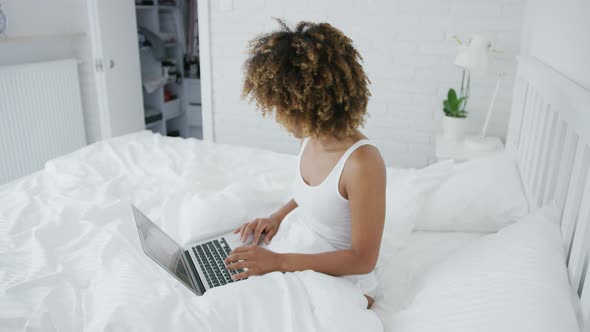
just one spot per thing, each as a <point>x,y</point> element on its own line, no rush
<point>366,160</point>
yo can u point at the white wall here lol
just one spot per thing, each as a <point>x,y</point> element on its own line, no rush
<point>558,33</point>
<point>46,18</point>
<point>408,55</point>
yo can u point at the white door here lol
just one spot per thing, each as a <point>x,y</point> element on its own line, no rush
<point>113,31</point>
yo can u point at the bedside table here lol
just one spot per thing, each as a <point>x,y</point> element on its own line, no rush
<point>457,150</point>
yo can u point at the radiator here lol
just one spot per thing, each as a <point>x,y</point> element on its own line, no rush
<point>40,115</point>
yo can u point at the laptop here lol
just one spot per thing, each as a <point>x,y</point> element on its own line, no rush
<point>199,268</point>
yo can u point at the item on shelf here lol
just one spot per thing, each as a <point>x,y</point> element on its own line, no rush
<point>169,96</point>
<point>141,38</point>
<point>154,40</point>
<point>174,78</point>
<point>142,41</point>
<point>152,115</point>
<point>192,66</point>
<point>169,62</point>
<point>152,85</point>
<point>166,73</point>
<point>169,68</point>
<point>144,2</point>
<point>168,23</point>
<point>167,38</point>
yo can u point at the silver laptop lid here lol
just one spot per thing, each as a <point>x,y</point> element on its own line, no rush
<point>163,250</point>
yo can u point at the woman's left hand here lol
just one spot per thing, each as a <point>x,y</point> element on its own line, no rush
<point>257,260</point>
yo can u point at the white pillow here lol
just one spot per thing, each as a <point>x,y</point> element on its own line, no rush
<point>482,195</point>
<point>514,280</point>
<point>405,191</point>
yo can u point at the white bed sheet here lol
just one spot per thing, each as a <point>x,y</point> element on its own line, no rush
<point>422,251</point>
<point>70,257</point>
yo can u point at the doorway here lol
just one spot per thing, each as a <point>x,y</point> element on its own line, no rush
<point>168,45</point>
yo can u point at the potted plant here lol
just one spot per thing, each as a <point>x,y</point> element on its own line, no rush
<point>454,119</point>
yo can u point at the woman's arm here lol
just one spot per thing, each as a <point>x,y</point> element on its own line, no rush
<point>285,210</point>
<point>364,181</point>
<point>269,225</point>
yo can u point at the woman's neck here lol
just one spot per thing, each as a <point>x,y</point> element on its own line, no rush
<point>330,142</point>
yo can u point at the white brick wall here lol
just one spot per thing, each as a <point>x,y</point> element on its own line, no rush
<point>408,56</point>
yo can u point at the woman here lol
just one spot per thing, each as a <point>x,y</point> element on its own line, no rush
<point>312,81</point>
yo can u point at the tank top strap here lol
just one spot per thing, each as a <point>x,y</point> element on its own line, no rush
<point>303,145</point>
<point>340,165</point>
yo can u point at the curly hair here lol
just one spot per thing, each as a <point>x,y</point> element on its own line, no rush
<point>310,77</point>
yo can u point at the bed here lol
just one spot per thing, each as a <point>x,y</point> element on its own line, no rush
<point>86,194</point>
<point>71,260</point>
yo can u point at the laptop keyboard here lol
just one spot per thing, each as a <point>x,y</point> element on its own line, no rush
<point>210,256</point>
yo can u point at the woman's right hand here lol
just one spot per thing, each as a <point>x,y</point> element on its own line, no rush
<point>257,227</point>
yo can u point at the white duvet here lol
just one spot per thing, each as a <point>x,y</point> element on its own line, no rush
<point>70,259</point>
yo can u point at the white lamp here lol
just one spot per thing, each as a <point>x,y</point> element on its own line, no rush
<point>473,58</point>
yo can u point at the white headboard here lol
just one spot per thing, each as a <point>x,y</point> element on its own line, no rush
<point>549,133</point>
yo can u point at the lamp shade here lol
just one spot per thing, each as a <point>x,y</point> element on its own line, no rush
<point>474,55</point>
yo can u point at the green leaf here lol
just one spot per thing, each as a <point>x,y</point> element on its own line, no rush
<point>447,105</point>
<point>452,95</point>
<point>453,106</point>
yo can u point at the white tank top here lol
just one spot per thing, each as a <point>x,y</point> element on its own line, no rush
<point>326,212</point>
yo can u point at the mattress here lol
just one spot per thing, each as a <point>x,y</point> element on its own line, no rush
<point>402,272</point>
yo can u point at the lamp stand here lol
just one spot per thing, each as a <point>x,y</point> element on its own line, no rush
<point>481,142</point>
<point>465,86</point>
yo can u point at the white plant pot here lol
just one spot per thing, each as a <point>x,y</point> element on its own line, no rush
<point>454,128</point>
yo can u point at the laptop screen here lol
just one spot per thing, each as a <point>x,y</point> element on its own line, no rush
<point>162,249</point>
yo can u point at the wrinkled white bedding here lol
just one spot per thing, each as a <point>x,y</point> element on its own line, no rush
<point>70,259</point>
<point>422,251</point>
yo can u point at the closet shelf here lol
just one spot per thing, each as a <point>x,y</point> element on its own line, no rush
<point>160,7</point>
<point>155,124</point>
<point>167,7</point>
